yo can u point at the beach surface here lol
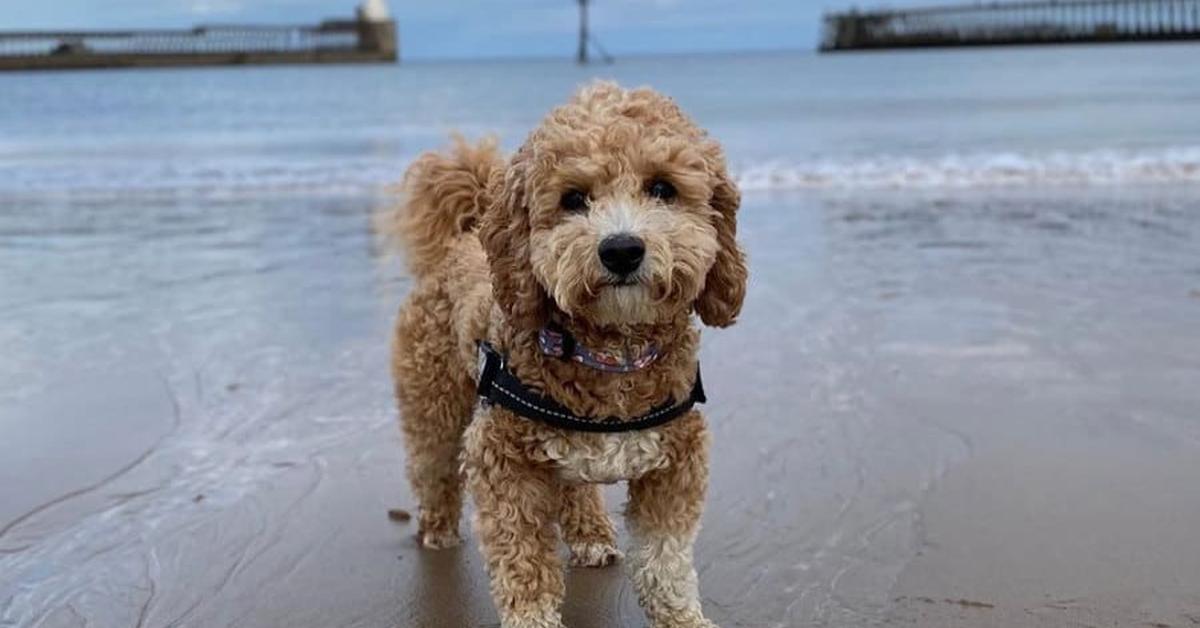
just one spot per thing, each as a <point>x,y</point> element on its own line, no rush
<point>938,409</point>
<point>963,391</point>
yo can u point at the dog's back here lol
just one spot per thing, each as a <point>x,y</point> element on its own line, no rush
<point>433,348</point>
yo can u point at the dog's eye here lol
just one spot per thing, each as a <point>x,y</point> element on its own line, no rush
<point>662,190</point>
<point>573,201</point>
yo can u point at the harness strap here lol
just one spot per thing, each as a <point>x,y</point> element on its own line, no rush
<point>497,385</point>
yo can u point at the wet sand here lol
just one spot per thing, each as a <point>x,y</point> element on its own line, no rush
<point>954,409</point>
<point>1096,534</point>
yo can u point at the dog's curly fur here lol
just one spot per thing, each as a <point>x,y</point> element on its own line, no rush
<point>497,258</point>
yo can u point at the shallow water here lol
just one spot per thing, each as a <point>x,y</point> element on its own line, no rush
<point>949,265</point>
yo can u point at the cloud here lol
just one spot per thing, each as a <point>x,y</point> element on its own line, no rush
<point>657,3</point>
<point>214,7</point>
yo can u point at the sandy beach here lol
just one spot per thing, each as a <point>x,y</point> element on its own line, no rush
<point>940,409</point>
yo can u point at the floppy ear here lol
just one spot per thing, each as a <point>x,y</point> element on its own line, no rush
<point>504,233</point>
<point>725,285</point>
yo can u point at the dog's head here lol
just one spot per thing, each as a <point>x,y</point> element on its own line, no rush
<point>617,210</point>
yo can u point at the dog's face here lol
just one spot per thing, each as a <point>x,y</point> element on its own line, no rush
<point>617,210</point>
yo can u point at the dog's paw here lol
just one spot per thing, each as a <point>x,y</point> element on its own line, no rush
<point>439,539</point>
<point>692,621</point>
<point>536,623</point>
<point>545,619</point>
<point>594,554</point>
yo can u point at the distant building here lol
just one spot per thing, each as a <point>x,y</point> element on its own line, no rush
<point>369,38</point>
<point>1020,22</point>
<point>373,11</point>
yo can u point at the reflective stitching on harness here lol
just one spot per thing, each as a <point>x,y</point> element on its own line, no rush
<point>533,407</point>
<point>660,412</point>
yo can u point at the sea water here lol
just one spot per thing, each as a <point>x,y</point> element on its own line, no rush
<point>1022,116</point>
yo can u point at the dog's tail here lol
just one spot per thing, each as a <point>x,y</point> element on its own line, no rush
<point>443,198</point>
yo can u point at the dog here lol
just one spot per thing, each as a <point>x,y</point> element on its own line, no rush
<point>608,229</point>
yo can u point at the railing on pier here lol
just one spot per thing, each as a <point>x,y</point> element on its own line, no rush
<point>330,41</point>
<point>1031,22</point>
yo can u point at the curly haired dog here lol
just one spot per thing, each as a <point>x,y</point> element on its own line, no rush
<point>615,221</point>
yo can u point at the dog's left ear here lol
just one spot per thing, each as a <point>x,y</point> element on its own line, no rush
<point>725,285</point>
<point>504,234</point>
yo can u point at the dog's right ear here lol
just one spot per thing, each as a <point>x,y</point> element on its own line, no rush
<point>504,232</point>
<point>725,286</point>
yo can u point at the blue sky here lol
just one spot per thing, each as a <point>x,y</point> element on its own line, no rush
<point>433,29</point>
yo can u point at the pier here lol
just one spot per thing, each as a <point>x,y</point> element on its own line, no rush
<point>1014,23</point>
<point>369,38</point>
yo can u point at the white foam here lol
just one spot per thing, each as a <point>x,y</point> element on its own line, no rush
<point>228,178</point>
<point>240,177</point>
<point>959,170</point>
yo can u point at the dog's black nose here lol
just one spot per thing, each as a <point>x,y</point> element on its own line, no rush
<point>622,253</point>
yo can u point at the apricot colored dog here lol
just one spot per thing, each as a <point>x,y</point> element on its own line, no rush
<point>614,221</point>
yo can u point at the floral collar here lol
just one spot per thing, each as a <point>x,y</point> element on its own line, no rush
<point>558,342</point>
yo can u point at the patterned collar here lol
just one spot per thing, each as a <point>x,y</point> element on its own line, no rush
<point>557,342</point>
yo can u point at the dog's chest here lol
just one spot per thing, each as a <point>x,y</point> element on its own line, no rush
<point>606,458</point>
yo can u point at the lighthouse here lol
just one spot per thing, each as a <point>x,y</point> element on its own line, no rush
<point>373,11</point>
<point>377,29</point>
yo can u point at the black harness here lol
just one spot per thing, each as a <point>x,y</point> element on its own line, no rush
<point>497,385</point>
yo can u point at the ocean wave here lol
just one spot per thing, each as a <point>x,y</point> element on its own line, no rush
<point>324,175</point>
<point>207,179</point>
<point>960,170</point>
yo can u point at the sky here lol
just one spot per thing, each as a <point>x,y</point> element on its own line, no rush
<point>454,29</point>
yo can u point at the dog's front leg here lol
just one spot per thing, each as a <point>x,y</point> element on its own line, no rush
<point>664,516</point>
<point>516,503</point>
